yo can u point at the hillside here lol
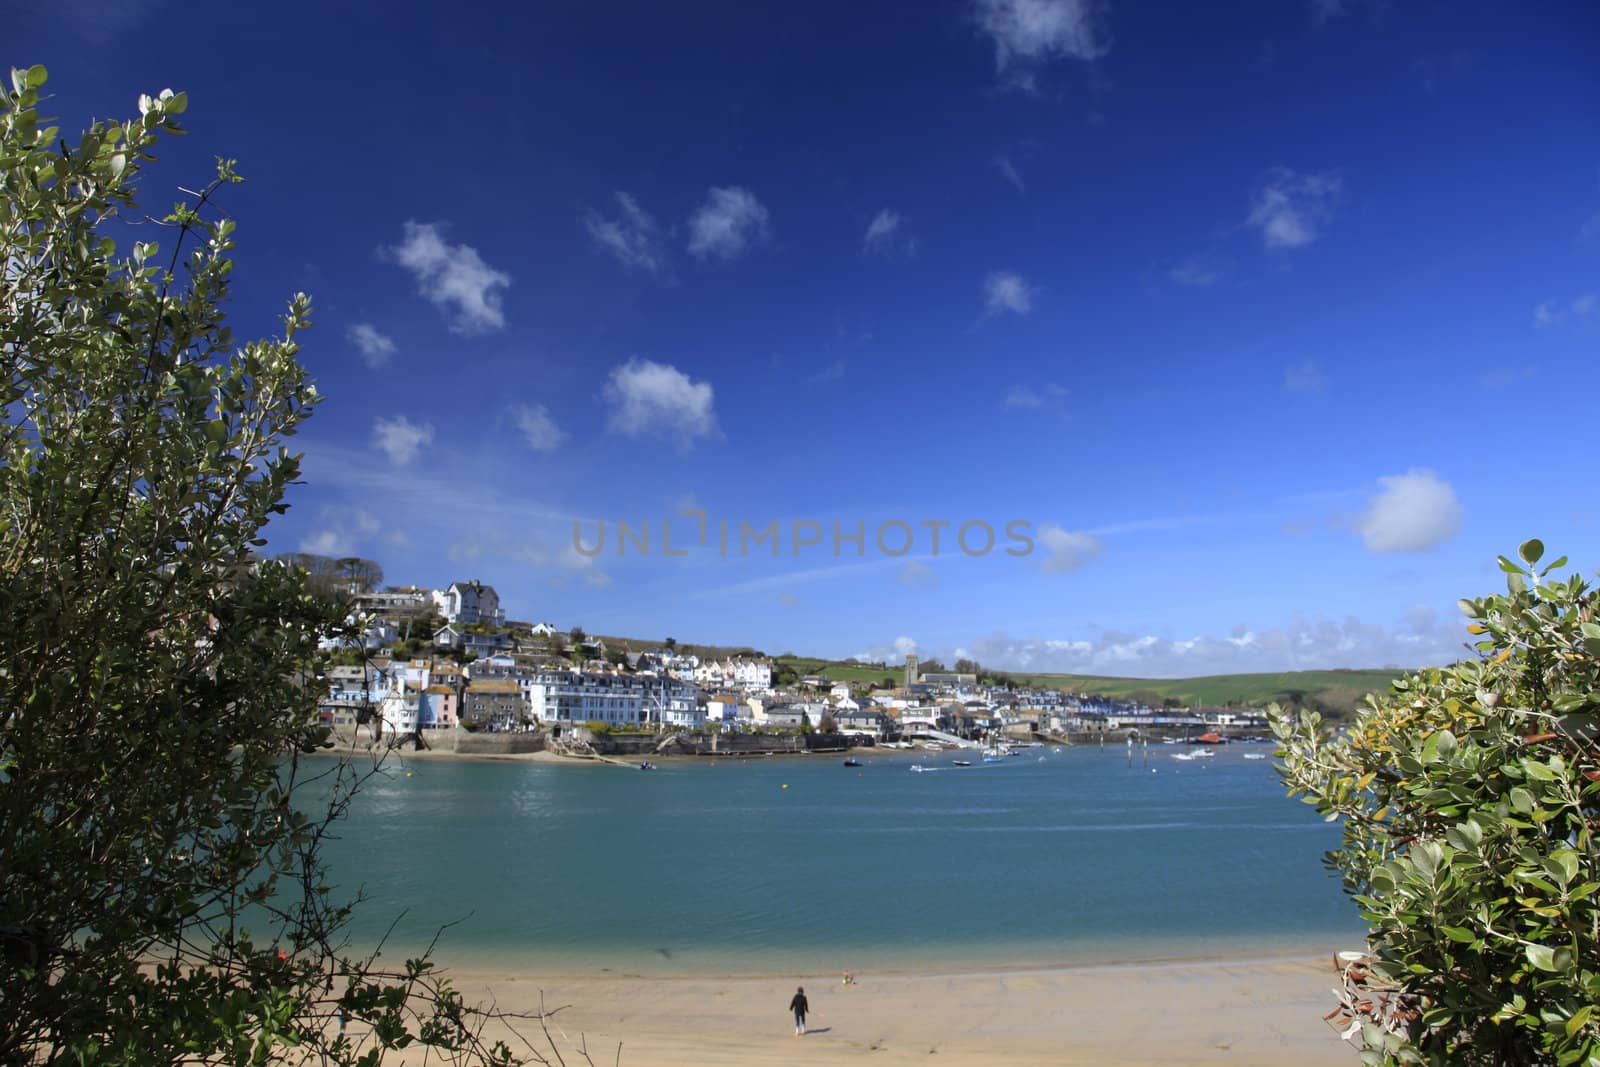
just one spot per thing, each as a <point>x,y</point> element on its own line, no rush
<point>1334,691</point>
<point>1337,690</point>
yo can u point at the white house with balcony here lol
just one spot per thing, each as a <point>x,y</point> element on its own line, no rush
<point>400,710</point>
<point>466,603</point>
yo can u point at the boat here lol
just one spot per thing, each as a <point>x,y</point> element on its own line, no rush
<point>1211,738</point>
<point>647,766</point>
<point>961,763</point>
<point>1255,755</point>
<point>919,768</point>
<point>852,763</point>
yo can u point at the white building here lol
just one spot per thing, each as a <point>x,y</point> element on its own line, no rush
<point>753,675</point>
<point>400,710</point>
<point>749,675</point>
<point>466,603</point>
<point>565,698</point>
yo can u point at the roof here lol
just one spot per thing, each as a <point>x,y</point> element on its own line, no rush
<point>491,686</point>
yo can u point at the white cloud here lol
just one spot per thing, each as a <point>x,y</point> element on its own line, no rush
<point>1290,209</point>
<point>831,373</point>
<point>656,399</point>
<point>1030,33</point>
<point>894,653</point>
<point>915,574</point>
<point>400,439</point>
<point>1412,512</point>
<point>538,428</point>
<point>1301,644</point>
<point>326,543</point>
<point>1006,290</point>
<point>886,235</point>
<point>1066,550</point>
<point>1591,228</point>
<point>1026,396</point>
<point>375,348</point>
<point>454,278</point>
<point>1305,377</point>
<point>1009,170</point>
<point>1194,272</point>
<point>345,530</point>
<point>1551,313</point>
<point>633,237</point>
<point>1326,10</point>
<point>728,223</point>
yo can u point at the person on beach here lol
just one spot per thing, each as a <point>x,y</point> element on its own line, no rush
<point>798,1006</point>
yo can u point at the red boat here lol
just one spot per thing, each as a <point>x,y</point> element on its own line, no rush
<point>1209,739</point>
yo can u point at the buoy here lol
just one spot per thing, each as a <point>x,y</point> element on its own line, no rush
<point>786,785</point>
<point>408,774</point>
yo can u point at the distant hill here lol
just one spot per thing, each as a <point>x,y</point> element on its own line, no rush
<point>1335,692</point>
<point>1339,690</point>
<point>1330,691</point>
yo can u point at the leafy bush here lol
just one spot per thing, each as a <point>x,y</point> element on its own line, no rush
<point>1470,799</point>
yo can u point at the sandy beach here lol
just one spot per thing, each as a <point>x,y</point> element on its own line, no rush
<point>1266,1012</point>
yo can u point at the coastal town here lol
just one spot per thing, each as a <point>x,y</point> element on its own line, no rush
<point>415,661</point>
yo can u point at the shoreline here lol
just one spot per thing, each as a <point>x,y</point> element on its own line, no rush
<point>404,752</point>
<point>1234,1010</point>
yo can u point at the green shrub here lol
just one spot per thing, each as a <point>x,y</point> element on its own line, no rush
<point>1470,798</point>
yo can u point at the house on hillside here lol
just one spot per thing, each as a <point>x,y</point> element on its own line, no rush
<point>466,603</point>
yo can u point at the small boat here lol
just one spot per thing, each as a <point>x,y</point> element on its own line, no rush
<point>647,766</point>
<point>961,763</point>
<point>1255,755</point>
<point>919,768</point>
<point>852,763</point>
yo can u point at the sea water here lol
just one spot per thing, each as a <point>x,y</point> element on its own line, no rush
<point>787,865</point>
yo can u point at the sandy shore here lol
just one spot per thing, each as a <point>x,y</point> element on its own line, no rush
<point>1266,1012</point>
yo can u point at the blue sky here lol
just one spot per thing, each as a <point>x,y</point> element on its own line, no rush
<point>1274,322</point>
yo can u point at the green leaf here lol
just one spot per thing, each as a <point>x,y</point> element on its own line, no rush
<point>1538,771</point>
<point>36,77</point>
<point>1459,933</point>
<point>1509,567</point>
<point>1579,1017</point>
<point>1530,550</point>
<point>1541,956</point>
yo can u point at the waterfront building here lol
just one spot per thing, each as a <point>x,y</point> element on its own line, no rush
<point>495,703</point>
<point>560,698</point>
<point>399,710</point>
<point>438,708</point>
<point>874,724</point>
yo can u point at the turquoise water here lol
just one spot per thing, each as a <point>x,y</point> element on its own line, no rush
<point>1079,857</point>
